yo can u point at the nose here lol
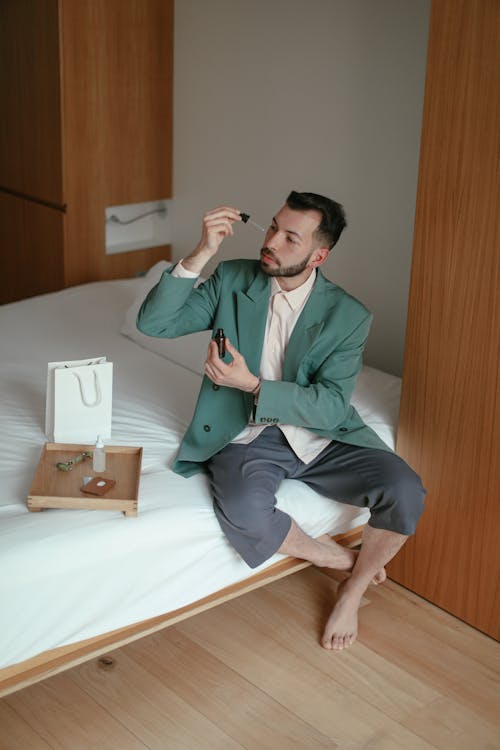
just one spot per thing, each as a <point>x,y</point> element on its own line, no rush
<point>273,239</point>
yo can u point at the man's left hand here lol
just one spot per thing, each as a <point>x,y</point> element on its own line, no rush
<point>233,375</point>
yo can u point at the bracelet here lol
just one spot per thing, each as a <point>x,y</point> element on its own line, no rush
<point>254,390</point>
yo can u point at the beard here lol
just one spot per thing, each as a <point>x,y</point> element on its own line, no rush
<point>278,269</point>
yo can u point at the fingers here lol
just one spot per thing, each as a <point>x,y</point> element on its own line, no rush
<point>224,212</point>
<point>233,374</point>
<point>213,351</point>
<point>218,224</point>
<point>210,372</point>
<point>232,351</point>
<point>213,354</point>
<point>215,368</point>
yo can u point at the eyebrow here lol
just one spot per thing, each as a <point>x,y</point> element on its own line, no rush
<point>288,231</point>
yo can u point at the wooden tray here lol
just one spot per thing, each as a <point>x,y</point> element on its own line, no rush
<point>53,488</point>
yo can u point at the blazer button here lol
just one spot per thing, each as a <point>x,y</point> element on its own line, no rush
<point>207,427</point>
<point>216,387</point>
<point>343,429</point>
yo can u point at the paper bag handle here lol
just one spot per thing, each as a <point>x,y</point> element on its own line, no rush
<point>98,394</point>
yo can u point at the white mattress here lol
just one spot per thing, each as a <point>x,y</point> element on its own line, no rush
<point>69,575</point>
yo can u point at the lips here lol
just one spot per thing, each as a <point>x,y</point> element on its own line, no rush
<point>268,258</point>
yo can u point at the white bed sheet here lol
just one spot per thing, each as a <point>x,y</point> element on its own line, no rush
<point>70,575</point>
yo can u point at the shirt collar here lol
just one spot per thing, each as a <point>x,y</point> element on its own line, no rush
<point>297,296</point>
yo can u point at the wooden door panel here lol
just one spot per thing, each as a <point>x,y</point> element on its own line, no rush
<point>450,412</point>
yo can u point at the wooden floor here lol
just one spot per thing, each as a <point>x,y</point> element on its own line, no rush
<point>250,674</point>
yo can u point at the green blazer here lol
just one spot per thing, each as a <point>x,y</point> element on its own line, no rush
<point>322,360</point>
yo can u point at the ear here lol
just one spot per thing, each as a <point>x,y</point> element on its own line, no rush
<point>319,256</point>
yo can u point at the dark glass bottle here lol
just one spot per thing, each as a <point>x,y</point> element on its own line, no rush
<point>221,342</point>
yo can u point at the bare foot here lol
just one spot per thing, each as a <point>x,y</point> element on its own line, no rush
<point>337,556</point>
<point>343,558</point>
<point>341,629</point>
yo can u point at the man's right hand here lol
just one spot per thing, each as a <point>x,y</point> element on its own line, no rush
<point>217,225</point>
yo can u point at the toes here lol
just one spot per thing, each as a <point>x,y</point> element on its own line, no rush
<point>338,642</point>
<point>379,577</point>
<point>344,642</point>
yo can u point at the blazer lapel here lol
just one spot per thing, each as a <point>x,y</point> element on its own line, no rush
<point>251,316</point>
<point>307,329</point>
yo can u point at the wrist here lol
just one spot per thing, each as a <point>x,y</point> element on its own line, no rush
<point>197,260</point>
<point>255,389</point>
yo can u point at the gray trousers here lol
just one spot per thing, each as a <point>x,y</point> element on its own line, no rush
<point>244,480</point>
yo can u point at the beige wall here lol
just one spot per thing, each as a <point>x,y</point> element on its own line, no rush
<point>273,95</point>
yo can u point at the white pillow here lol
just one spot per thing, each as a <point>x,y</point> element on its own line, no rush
<point>376,398</point>
<point>188,351</point>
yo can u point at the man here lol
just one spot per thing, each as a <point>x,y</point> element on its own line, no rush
<point>278,404</point>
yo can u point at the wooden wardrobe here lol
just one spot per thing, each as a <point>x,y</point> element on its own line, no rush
<point>86,91</point>
<point>450,411</point>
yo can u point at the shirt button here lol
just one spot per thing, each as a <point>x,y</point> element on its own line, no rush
<point>215,387</point>
<point>343,429</point>
<point>207,427</point>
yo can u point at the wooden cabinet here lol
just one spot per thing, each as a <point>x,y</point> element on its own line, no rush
<point>449,427</point>
<point>87,123</point>
<point>30,132</point>
<point>31,242</point>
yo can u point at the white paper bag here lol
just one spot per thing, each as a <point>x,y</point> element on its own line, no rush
<point>79,400</point>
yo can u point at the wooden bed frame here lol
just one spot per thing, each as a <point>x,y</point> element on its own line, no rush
<point>59,659</point>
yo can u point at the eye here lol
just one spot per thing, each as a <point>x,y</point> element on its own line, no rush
<point>292,240</point>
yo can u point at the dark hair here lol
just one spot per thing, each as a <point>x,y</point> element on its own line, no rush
<point>333,218</point>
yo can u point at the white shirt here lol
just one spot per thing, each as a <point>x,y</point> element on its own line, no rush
<point>284,311</point>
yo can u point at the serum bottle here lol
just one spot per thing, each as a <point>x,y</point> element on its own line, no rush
<point>99,457</point>
<point>221,342</point>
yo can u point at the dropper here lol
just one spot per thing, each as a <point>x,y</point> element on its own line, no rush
<point>246,218</point>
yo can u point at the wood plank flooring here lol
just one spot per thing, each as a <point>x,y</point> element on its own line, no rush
<point>250,675</point>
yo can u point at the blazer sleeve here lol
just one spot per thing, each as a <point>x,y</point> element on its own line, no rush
<point>175,308</point>
<point>324,402</point>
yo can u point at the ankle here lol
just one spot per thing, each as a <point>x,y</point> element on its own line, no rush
<point>351,588</point>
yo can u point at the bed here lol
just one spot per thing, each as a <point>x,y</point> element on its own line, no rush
<point>73,583</point>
